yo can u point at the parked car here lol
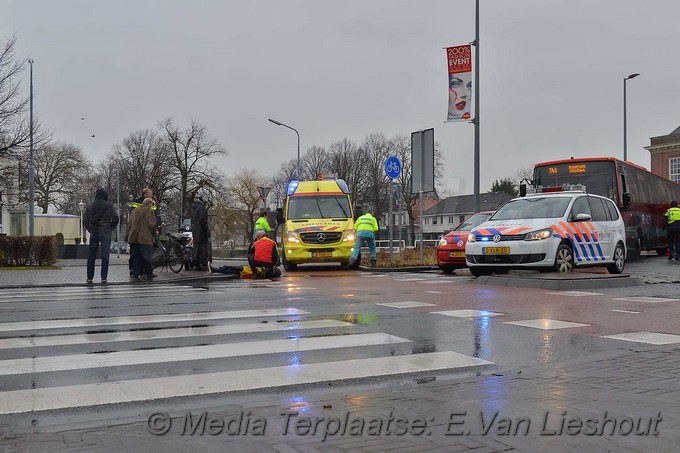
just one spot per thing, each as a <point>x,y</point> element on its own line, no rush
<point>123,247</point>
<point>549,231</point>
<point>451,248</point>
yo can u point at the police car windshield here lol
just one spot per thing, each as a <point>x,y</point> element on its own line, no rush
<point>533,208</point>
<point>318,207</point>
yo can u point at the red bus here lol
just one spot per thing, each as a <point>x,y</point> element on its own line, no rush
<point>642,197</point>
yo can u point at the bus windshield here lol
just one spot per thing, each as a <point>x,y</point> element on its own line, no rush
<point>598,177</point>
<point>319,207</point>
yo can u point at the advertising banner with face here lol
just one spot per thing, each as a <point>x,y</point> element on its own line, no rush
<point>459,60</point>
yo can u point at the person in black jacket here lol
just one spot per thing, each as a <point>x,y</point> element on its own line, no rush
<point>200,231</point>
<point>100,219</point>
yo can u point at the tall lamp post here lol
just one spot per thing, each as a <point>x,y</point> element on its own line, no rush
<point>625,132</point>
<point>81,206</point>
<point>298,137</point>
<point>31,164</point>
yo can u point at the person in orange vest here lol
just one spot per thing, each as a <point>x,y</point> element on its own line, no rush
<point>263,254</point>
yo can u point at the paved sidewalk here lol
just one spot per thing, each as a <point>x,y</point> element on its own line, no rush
<point>74,273</point>
<point>568,406</point>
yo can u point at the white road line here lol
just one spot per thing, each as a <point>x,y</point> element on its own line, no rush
<point>144,319</point>
<point>138,335</point>
<point>466,313</point>
<point>546,324</point>
<point>433,292</point>
<point>646,337</point>
<point>407,279</point>
<point>406,304</point>
<point>80,297</point>
<point>52,398</point>
<point>95,290</point>
<point>651,300</point>
<point>626,311</point>
<point>183,354</point>
<point>574,293</point>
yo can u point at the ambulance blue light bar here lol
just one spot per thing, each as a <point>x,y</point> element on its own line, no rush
<point>292,187</point>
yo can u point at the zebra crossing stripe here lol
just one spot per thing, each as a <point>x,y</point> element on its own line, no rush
<point>54,398</point>
<point>183,354</point>
<point>154,334</point>
<point>144,319</point>
<point>109,289</point>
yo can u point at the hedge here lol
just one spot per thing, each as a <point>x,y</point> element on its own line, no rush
<point>27,250</point>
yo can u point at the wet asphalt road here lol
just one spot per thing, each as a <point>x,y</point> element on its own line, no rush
<point>326,294</point>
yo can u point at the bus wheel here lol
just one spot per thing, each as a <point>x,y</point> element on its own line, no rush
<point>564,259</point>
<point>619,260</point>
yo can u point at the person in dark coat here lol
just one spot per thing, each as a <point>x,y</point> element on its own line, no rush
<point>200,231</point>
<point>100,219</point>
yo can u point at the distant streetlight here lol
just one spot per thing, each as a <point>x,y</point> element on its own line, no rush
<point>298,148</point>
<point>625,133</point>
<point>81,206</point>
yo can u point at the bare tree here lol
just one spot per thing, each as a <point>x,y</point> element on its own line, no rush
<point>191,150</point>
<point>241,191</point>
<point>315,163</point>
<point>60,169</point>
<point>374,190</point>
<point>281,180</point>
<point>346,161</point>
<point>14,126</point>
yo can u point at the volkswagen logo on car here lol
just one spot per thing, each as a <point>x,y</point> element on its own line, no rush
<point>497,238</point>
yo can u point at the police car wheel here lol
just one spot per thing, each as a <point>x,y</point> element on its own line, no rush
<point>564,259</point>
<point>479,271</point>
<point>619,260</point>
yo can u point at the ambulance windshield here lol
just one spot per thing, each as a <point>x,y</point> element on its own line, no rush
<point>318,207</point>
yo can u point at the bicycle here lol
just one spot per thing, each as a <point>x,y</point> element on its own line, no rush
<point>169,252</point>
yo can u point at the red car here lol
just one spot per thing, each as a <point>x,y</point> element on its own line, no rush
<point>451,248</point>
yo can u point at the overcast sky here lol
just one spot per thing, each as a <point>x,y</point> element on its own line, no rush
<point>551,74</point>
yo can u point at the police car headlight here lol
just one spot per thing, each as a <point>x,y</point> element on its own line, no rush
<point>443,241</point>
<point>350,236</point>
<point>292,238</point>
<point>471,238</point>
<point>539,235</point>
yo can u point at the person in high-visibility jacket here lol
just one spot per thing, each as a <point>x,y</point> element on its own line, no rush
<point>673,226</point>
<point>262,224</point>
<point>365,226</point>
<point>263,257</point>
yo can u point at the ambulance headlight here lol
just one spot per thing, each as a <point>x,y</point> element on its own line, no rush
<point>443,241</point>
<point>539,235</point>
<point>292,237</point>
<point>350,236</point>
<point>471,238</point>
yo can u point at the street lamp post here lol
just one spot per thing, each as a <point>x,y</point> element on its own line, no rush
<point>625,132</point>
<point>31,164</point>
<point>81,206</point>
<point>298,143</point>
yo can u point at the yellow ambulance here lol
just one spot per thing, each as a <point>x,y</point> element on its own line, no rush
<point>318,223</point>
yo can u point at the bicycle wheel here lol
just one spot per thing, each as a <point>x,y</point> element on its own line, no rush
<point>175,257</point>
<point>157,258</point>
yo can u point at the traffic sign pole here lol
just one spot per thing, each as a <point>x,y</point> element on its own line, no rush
<point>392,170</point>
<point>390,226</point>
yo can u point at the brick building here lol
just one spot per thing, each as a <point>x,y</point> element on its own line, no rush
<point>665,155</point>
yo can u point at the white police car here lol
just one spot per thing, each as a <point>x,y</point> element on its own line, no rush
<point>549,231</point>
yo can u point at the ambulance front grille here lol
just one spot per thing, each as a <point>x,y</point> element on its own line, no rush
<point>321,237</point>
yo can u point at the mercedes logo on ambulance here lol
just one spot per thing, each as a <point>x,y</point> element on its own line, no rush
<point>321,237</point>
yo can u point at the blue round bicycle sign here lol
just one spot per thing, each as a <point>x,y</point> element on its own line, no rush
<point>392,167</point>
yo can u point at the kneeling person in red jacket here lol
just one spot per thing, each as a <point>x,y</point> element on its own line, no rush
<point>263,253</point>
